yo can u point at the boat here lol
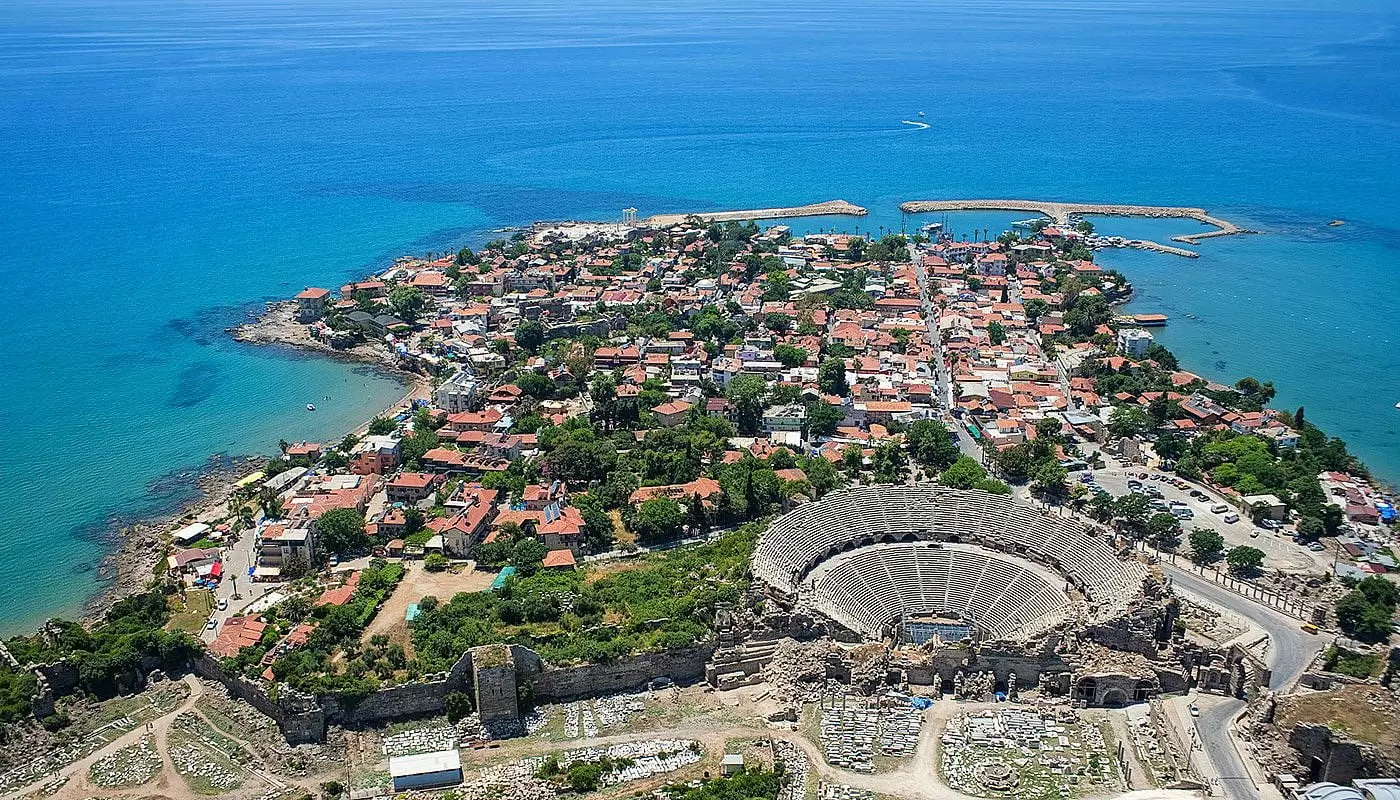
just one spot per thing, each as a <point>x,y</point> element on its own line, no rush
<point>921,113</point>
<point>310,407</point>
<point>1397,405</point>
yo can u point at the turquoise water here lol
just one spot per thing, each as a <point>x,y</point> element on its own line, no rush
<point>168,165</point>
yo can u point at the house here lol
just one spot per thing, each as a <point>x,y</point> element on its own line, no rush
<point>425,770</point>
<point>411,487</point>
<point>1269,506</point>
<point>375,455</point>
<point>559,559</point>
<point>311,303</point>
<point>672,414</point>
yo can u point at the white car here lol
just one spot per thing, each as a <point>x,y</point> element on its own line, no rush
<point>1195,712</point>
<point>211,625</point>
<point>223,604</point>
<point>1232,517</point>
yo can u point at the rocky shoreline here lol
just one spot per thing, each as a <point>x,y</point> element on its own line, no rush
<point>140,545</point>
<point>128,568</point>
<point>278,325</point>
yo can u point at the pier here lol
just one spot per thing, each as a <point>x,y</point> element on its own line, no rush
<point>1061,213</point>
<point>828,208</point>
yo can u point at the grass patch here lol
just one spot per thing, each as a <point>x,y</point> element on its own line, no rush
<point>190,615</point>
<point>1347,662</point>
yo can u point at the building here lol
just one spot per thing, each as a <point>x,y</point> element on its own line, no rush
<point>375,455</point>
<point>411,487</point>
<point>311,303</point>
<point>1133,342</point>
<point>426,770</point>
<point>278,546</point>
<point>458,393</point>
<point>732,764</point>
<point>791,417</point>
<point>672,414</point>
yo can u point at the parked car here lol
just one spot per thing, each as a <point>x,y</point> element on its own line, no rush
<point>1199,495</point>
<point>1219,508</point>
<point>1183,513</point>
<point>223,604</point>
<point>210,625</point>
<point>1231,517</point>
<point>1316,547</point>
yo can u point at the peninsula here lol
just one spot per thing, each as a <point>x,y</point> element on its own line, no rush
<point>698,510</point>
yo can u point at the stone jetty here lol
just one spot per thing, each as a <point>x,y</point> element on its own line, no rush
<point>827,208</point>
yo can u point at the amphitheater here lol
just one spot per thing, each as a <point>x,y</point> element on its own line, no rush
<point>875,558</point>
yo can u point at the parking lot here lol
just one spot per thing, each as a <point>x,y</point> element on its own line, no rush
<point>1280,552</point>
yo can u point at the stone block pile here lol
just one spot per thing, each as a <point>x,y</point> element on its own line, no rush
<point>130,766</point>
<point>855,729</point>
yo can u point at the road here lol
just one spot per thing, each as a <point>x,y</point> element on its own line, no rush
<point>1290,650</point>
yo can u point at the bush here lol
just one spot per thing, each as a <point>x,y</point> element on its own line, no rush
<point>435,562</point>
<point>458,705</point>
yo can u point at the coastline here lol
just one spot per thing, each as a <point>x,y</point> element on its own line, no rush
<point>140,544</point>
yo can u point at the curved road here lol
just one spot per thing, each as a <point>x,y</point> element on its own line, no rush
<point>1290,651</point>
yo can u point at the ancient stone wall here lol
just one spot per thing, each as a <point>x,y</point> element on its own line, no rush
<point>565,683</point>
<point>1326,755</point>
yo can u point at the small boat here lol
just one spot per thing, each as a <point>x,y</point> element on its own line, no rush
<point>310,407</point>
<point>1397,405</point>
<point>921,113</point>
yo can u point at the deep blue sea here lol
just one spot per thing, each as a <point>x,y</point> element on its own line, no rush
<point>167,166</point>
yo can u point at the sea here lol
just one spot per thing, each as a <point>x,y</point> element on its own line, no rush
<point>166,168</point>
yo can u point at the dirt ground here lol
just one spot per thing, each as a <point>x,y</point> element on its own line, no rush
<point>416,584</point>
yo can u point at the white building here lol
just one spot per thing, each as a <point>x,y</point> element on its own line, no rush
<point>1133,342</point>
<point>458,393</point>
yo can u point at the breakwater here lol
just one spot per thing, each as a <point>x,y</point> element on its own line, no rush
<point>1061,213</point>
<point>827,208</point>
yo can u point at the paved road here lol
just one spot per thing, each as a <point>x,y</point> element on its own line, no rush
<point>1290,651</point>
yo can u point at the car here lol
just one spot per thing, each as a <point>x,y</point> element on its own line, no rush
<point>1219,508</point>
<point>1254,533</point>
<point>1195,712</point>
<point>1177,503</point>
<point>1134,484</point>
<point>335,561</point>
<point>1153,491</point>
<point>211,625</point>
<point>1271,524</point>
<point>1183,513</point>
<point>1199,495</point>
<point>1309,628</point>
<point>223,604</point>
<point>1231,517</point>
<point>1317,547</point>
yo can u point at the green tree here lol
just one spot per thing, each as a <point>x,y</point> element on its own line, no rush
<point>341,530</point>
<point>1362,619</point>
<point>408,302</point>
<point>1164,530</point>
<point>1127,422</point>
<point>1310,529</point>
<point>1206,546</point>
<point>831,377</point>
<point>747,393</point>
<point>382,426</point>
<point>435,562</point>
<point>932,444</point>
<point>777,323</point>
<point>789,355</point>
<point>822,418</point>
<point>963,473</point>
<point>997,332</point>
<point>1245,560</point>
<point>658,519</point>
<point>529,335</point>
<point>527,555</point>
<point>1050,478</point>
<point>535,385</point>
